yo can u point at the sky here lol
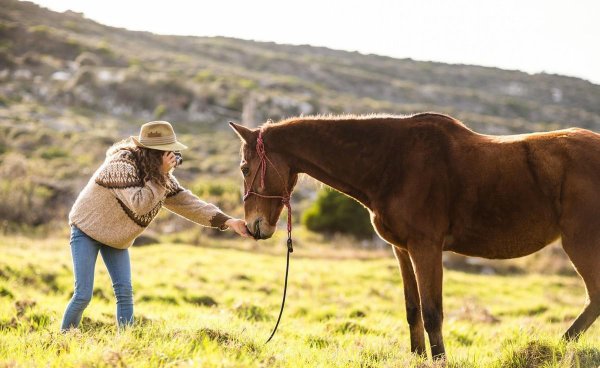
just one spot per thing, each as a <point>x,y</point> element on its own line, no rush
<point>530,35</point>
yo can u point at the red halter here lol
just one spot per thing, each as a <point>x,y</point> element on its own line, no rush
<point>285,199</point>
<point>262,167</point>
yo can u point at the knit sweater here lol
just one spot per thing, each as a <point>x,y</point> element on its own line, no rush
<point>116,205</point>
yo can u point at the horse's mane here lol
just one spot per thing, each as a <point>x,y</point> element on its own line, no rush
<point>355,117</point>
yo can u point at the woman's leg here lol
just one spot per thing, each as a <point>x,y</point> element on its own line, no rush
<point>85,252</point>
<point>119,267</point>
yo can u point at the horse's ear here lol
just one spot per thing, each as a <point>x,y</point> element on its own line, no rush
<point>244,133</point>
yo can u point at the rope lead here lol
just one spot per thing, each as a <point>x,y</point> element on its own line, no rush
<point>287,268</point>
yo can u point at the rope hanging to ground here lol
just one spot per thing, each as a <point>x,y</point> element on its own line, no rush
<point>287,268</point>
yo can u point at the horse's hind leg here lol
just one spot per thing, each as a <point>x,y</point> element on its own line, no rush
<point>584,252</point>
<point>580,229</point>
<point>413,303</point>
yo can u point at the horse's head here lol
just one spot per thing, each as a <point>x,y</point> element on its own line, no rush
<point>263,204</point>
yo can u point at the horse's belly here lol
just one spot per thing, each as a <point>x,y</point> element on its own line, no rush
<point>503,244</point>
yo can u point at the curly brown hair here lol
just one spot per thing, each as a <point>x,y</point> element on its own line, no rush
<point>149,161</point>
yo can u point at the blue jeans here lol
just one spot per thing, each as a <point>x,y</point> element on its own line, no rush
<point>85,252</point>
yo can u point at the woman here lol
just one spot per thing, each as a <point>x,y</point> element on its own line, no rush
<point>118,203</point>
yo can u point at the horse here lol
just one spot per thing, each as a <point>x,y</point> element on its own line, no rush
<point>431,184</point>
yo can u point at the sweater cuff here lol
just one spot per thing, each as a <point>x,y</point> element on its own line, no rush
<point>218,221</point>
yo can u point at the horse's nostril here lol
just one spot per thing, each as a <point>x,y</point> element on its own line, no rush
<point>257,228</point>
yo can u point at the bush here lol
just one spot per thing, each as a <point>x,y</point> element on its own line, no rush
<point>54,152</point>
<point>334,212</point>
<point>225,194</point>
<point>160,111</point>
<point>87,59</point>
<point>235,101</point>
<point>205,76</point>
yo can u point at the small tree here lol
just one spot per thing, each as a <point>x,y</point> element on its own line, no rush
<point>334,212</point>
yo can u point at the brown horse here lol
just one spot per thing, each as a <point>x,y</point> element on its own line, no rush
<point>431,184</point>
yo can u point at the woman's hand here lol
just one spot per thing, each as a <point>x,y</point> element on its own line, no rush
<point>239,226</point>
<point>168,162</point>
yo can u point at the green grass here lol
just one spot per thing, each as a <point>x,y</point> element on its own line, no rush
<point>216,306</point>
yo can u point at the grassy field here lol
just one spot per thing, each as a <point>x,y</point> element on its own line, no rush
<point>215,306</point>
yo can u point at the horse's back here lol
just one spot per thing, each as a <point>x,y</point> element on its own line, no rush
<point>514,190</point>
<point>487,196</point>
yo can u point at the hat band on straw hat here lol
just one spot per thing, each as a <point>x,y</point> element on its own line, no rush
<point>154,141</point>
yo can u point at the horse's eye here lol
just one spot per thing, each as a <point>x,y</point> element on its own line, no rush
<point>245,171</point>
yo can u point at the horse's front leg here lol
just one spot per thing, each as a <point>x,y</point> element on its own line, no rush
<point>426,258</point>
<point>412,301</point>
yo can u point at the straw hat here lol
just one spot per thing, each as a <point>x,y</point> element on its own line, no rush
<point>158,135</point>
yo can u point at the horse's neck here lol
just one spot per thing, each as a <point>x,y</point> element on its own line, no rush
<point>327,153</point>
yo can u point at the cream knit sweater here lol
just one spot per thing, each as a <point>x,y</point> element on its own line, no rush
<point>116,205</point>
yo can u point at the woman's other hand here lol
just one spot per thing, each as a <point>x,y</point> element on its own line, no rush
<point>168,162</point>
<point>239,226</point>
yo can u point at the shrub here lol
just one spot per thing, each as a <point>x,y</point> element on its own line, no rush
<point>334,212</point>
<point>216,189</point>
<point>104,49</point>
<point>87,59</point>
<point>160,111</point>
<point>235,101</point>
<point>54,152</point>
<point>204,76</point>
<point>247,84</point>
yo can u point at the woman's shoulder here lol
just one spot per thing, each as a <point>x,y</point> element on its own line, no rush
<point>124,155</point>
<point>120,170</point>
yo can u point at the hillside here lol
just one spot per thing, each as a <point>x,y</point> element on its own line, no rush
<point>209,79</point>
<point>69,87</point>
